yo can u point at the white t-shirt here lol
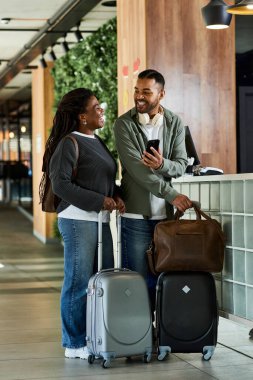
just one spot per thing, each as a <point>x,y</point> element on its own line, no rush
<point>158,208</point>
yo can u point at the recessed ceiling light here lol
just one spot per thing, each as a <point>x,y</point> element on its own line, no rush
<point>5,20</point>
<point>109,3</point>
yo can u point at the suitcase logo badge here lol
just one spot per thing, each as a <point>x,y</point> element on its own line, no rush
<point>186,289</point>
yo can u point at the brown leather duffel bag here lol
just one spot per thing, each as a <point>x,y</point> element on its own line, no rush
<point>187,245</point>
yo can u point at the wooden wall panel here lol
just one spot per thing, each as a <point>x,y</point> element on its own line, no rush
<point>131,48</point>
<point>199,68</point>
<point>198,65</point>
<point>42,106</point>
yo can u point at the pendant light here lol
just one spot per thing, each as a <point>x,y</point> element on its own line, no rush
<point>78,34</point>
<point>65,44</point>
<point>43,62</point>
<point>244,7</point>
<point>52,54</point>
<point>215,15</point>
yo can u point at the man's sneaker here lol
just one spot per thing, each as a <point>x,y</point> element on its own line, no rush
<point>73,353</point>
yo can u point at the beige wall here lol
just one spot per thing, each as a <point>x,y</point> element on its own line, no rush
<point>131,29</point>
<point>198,65</point>
<point>42,116</point>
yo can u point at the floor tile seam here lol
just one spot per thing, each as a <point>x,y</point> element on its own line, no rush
<point>32,278</point>
<point>31,290</point>
<point>45,267</point>
<point>22,277</point>
<point>37,278</point>
<point>22,344</point>
<point>33,270</point>
<point>35,273</point>
<point>231,366</point>
<point>31,263</point>
<point>46,283</point>
<point>195,367</point>
<point>29,280</point>
<point>30,331</point>
<point>116,371</point>
<point>189,366</point>
<point>31,358</point>
<point>30,285</point>
<point>38,260</point>
<point>10,329</point>
<point>236,350</point>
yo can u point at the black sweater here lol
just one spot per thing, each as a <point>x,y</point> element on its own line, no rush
<point>96,172</point>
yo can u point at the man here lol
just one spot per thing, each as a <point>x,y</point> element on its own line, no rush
<point>146,178</point>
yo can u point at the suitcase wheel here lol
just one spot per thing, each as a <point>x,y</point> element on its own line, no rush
<point>208,352</point>
<point>147,358</point>
<point>207,356</point>
<point>106,363</point>
<point>163,352</point>
<point>91,359</point>
<point>162,355</point>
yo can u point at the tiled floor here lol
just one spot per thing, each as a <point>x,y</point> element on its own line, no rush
<point>30,348</point>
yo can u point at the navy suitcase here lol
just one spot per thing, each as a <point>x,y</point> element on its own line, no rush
<point>186,313</point>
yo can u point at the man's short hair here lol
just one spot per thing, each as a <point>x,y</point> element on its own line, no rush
<point>152,74</point>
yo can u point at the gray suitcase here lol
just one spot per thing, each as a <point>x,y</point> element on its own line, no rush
<point>119,320</point>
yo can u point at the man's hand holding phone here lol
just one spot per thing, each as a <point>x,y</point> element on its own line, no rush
<point>152,157</point>
<point>152,144</point>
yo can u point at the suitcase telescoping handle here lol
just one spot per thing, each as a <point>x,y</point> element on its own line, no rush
<point>100,240</point>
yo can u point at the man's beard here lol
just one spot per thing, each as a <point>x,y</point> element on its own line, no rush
<point>147,107</point>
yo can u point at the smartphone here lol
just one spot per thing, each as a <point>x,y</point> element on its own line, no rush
<point>154,144</point>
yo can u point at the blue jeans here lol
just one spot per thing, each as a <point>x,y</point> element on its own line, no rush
<point>80,263</point>
<point>136,236</point>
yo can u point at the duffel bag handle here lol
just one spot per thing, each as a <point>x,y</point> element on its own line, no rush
<point>197,210</point>
<point>200,213</point>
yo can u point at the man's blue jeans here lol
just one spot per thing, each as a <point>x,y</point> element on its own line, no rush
<point>80,262</point>
<point>136,236</point>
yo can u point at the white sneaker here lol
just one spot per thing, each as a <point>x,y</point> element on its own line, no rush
<point>73,353</point>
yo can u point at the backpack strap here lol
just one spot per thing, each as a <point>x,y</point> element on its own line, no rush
<point>71,137</point>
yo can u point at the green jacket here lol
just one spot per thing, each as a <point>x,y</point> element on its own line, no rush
<point>138,181</point>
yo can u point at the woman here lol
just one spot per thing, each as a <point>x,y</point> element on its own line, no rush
<point>92,189</point>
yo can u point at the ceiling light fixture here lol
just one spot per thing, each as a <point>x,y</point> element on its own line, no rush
<point>4,60</point>
<point>109,3</point>
<point>215,15</point>
<point>244,7</point>
<point>43,62</point>
<point>65,45</point>
<point>7,20</point>
<point>52,54</point>
<point>78,34</point>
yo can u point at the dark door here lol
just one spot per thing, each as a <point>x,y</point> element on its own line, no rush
<point>245,158</point>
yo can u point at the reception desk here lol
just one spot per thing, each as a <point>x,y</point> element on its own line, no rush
<point>229,199</point>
